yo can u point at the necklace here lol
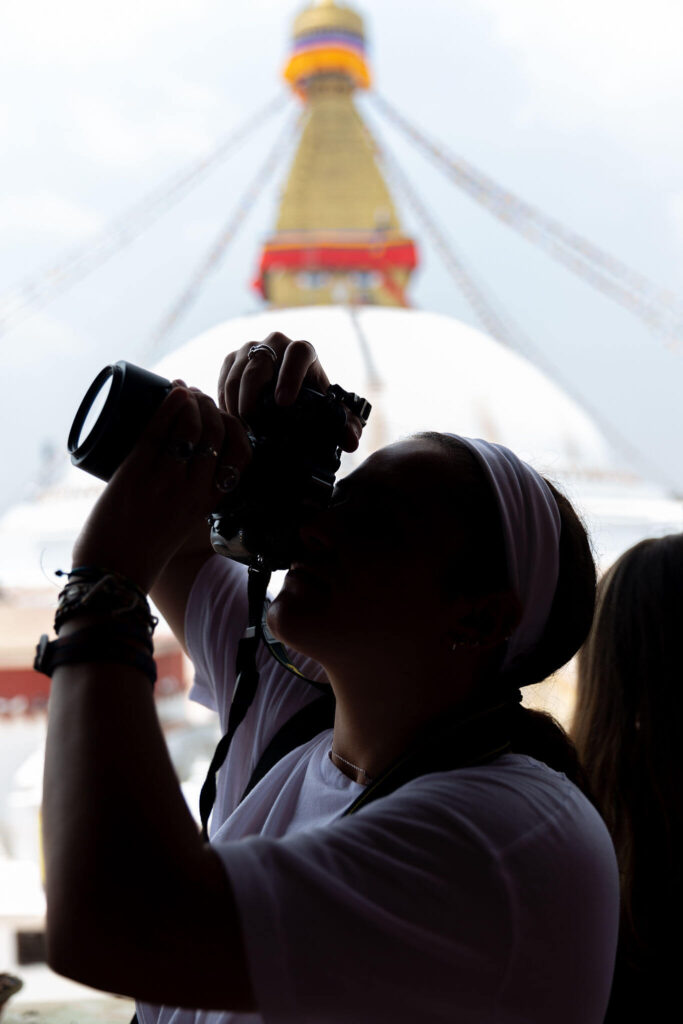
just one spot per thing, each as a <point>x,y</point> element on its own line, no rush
<point>350,764</point>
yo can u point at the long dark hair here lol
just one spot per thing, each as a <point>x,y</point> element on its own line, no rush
<point>482,566</point>
<point>628,729</point>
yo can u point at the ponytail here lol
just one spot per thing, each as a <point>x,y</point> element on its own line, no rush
<point>537,733</point>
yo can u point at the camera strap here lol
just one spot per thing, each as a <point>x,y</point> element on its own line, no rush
<point>308,722</point>
<point>245,688</point>
<point>279,652</point>
<point>461,741</point>
<point>458,741</point>
<point>475,737</point>
<point>304,725</point>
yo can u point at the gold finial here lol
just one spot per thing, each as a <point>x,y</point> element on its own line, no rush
<point>328,15</point>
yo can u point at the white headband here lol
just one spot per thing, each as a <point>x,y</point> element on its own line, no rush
<point>531,529</point>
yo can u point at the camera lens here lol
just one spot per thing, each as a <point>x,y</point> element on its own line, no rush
<point>117,407</point>
<point>93,406</point>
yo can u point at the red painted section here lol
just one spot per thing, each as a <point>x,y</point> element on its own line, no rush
<point>328,257</point>
<point>394,288</point>
<point>23,690</point>
<point>382,256</point>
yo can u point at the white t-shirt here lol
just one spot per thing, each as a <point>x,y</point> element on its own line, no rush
<point>486,894</point>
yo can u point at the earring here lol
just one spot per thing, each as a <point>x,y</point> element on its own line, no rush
<point>464,643</point>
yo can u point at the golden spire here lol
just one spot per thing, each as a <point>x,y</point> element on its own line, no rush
<point>338,237</point>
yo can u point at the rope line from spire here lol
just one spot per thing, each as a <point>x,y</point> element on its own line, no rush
<point>37,291</point>
<point>217,251</point>
<point>660,309</point>
<point>496,320</point>
<point>473,291</point>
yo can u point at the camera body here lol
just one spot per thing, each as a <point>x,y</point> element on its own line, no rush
<point>296,455</point>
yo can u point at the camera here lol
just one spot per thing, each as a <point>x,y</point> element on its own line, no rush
<point>296,455</point>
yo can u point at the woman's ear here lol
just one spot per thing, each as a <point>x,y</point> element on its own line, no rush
<point>486,621</point>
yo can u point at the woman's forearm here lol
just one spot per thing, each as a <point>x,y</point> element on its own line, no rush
<point>114,818</point>
<point>128,879</point>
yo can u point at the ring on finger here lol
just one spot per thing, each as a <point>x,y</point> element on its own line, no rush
<point>180,450</point>
<point>227,478</point>
<point>256,349</point>
<point>206,449</point>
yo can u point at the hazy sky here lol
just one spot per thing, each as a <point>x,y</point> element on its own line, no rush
<point>575,105</point>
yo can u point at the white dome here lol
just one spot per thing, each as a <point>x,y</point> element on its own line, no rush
<point>435,373</point>
<point>422,371</point>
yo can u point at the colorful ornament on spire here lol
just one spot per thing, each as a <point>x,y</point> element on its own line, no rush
<point>325,51</point>
<point>327,39</point>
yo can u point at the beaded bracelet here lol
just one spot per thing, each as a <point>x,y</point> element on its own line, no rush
<point>94,591</point>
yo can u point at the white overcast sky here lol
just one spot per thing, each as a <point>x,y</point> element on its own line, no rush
<point>575,105</point>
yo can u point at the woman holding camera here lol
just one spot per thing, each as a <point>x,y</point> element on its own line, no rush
<point>479,885</point>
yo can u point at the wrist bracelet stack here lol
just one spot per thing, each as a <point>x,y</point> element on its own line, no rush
<point>123,636</point>
<point>93,591</point>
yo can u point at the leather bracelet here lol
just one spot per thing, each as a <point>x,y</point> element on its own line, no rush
<point>96,645</point>
<point>107,631</point>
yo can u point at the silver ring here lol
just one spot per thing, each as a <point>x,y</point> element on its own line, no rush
<point>255,349</point>
<point>227,478</point>
<point>180,451</point>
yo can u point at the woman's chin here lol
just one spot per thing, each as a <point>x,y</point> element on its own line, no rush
<point>294,617</point>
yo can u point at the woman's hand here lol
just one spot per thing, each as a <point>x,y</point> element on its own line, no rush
<point>242,380</point>
<point>190,454</point>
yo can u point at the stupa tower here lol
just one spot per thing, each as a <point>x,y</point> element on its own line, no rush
<point>337,239</point>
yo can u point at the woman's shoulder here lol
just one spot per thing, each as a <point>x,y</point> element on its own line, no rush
<point>508,804</point>
<point>509,776</point>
